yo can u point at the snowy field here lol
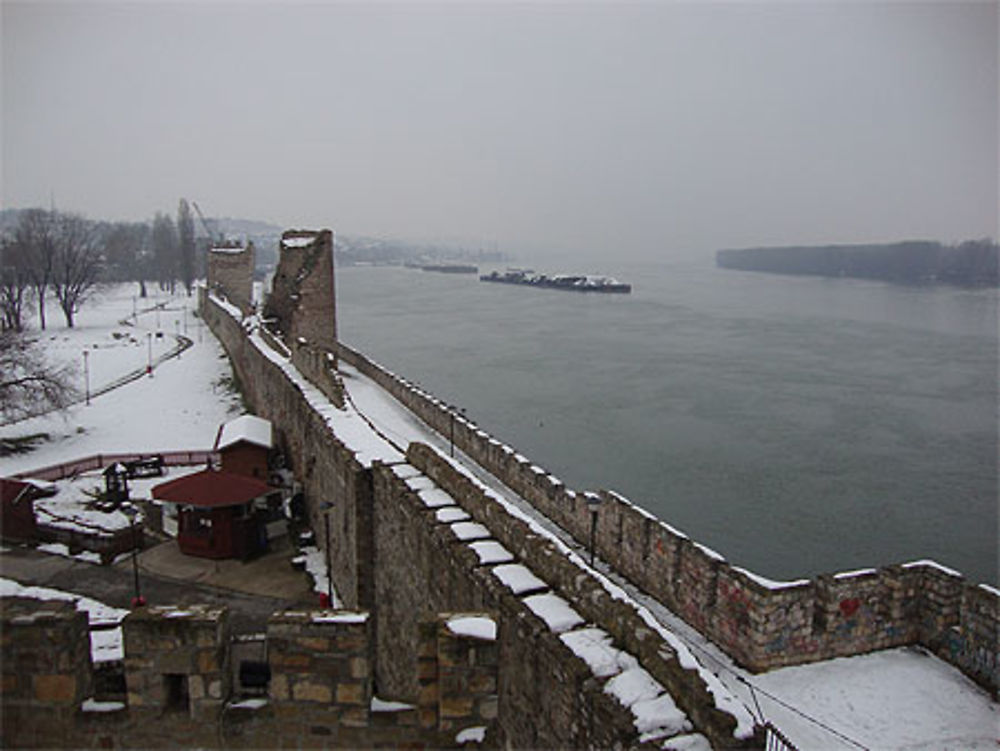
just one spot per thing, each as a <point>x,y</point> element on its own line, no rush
<point>898,699</point>
<point>179,407</point>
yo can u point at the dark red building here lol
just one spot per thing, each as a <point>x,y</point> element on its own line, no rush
<point>244,445</point>
<point>224,513</point>
<point>220,514</point>
<point>17,512</point>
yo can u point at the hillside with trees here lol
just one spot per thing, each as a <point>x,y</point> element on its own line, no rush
<point>973,263</point>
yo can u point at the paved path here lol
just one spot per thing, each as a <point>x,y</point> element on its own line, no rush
<point>114,584</point>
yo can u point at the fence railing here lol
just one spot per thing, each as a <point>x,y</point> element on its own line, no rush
<point>775,740</point>
<point>99,461</point>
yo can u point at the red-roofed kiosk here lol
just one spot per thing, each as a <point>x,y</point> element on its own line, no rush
<point>222,513</point>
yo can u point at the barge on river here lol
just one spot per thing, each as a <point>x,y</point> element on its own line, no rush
<point>574,283</point>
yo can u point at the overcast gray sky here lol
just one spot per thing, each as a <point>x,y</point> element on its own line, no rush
<point>637,129</point>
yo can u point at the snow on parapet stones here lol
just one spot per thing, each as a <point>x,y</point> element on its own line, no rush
<point>451,514</point>
<point>518,579</point>
<point>557,613</point>
<point>491,552</point>
<point>473,626</point>
<point>724,700</point>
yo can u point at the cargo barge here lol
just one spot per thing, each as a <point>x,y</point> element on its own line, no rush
<point>571,282</point>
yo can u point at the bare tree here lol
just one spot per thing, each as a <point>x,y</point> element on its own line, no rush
<point>15,283</point>
<point>76,264</point>
<point>28,384</point>
<point>185,235</point>
<point>35,235</point>
<point>164,241</point>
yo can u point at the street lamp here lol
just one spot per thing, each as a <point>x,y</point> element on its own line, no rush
<point>593,504</point>
<point>130,511</point>
<point>86,374</point>
<point>325,507</point>
<point>451,412</point>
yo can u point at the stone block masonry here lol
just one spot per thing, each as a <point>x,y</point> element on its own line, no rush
<point>47,672</point>
<point>230,275</point>
<point>177,660</point>
<point>320,692</point>
<point>302,305</point>
<point>567,648</point>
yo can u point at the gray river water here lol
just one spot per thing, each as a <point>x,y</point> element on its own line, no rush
<point>796,425</point>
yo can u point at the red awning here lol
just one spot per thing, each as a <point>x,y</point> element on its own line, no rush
<point>212,488</point>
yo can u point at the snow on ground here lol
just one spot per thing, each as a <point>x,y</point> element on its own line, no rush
<point>72,506</point>
<point>179,408</point>
<point>104,645</point>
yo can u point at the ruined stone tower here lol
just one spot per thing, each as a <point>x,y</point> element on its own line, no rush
<point>301,306</point>
<point>230,273</point>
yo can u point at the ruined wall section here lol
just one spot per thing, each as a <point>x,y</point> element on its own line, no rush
<point>230,275</point>
<point>762,624</point>
<point>301,310</point>
<point>302,303</point>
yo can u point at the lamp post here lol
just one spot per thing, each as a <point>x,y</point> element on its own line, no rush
<point>86,374</point>
<point>593,504</point>
<point>325,507</point>
<point>130,512</point>
<point>149,360</point>
<point>451,411</point>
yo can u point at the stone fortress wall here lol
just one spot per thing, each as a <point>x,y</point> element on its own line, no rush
<point>406,559</point>
<point>179,684</point>
<point>762,624</point>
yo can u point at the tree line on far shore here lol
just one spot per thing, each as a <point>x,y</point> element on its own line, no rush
<point>47,254</point>
<point>973,263</point>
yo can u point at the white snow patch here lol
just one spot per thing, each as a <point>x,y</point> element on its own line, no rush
<point>466,531</point>
<point>419,483</point>
<point>594,647</point>
<point>249,428</point>
<point>58,548</point>
<point>933,564</point>
<point>104,645</point>
<point>518,579</point>
<point>474,626</point>
<point>691,742</point>
<point>380,705</point>
<point>253,703</point>
<point>298,242</point>
<point>475,734</point>
<point>451,514</point>
<point>854,574</point>
<point>435,498</point>
<point>660,715</point>
<point>771,583</point>
<point>554,610</point>
<point>341,617</point>
<point>491,552</point>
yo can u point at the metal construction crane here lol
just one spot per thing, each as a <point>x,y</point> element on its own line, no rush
<point>220,238</point>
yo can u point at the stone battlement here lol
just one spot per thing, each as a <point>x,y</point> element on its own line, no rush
<point>180,691</point>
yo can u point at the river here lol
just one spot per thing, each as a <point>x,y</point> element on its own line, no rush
<point>796,425</point>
